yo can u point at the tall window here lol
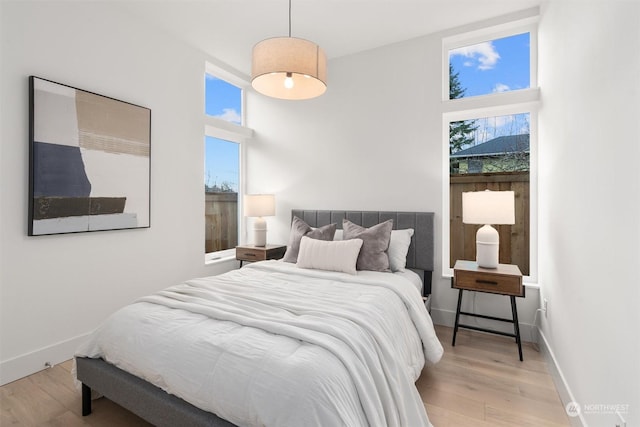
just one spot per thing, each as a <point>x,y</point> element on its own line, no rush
<point>224,135</point>
<point>489,127</point>
<point>221,183</point>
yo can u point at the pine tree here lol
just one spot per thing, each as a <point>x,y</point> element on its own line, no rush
<point>460,133</point>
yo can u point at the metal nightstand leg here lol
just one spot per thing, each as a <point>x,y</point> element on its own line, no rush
<point>455,326</point>
<point>516,326</point>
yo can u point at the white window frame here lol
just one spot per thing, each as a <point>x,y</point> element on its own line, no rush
<point>240,134</point>
<point>490,105</point>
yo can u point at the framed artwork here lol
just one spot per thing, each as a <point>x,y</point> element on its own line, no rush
<point>89,161</point>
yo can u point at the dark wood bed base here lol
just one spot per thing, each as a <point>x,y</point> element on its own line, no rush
<point>162,409</point>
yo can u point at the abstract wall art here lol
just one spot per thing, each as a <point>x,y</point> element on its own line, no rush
<point>89,161</point>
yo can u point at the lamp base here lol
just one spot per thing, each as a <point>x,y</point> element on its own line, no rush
<point>260,232</point>
<point>487,247</point>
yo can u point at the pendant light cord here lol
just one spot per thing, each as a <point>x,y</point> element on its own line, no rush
<point>289,18</point>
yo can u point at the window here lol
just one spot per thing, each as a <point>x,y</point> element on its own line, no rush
<point>492,66</point>
<point>222,176</point>
<point>223,139</point>
<point>489,128</point>
<point>223,100</point>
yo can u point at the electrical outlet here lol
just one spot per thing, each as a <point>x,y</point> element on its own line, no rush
<point>545,304</point>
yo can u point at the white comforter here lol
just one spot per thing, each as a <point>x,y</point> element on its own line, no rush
<point>274,345</point>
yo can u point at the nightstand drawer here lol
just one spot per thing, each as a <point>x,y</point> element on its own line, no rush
<point>251,254</point>
<point>500,281</point>
<point>488,283</point>
<point>254,253</point>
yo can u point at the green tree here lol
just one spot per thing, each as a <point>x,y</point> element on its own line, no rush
<point>461,132</point>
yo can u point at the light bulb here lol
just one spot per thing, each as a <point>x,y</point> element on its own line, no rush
<point>288,81</point>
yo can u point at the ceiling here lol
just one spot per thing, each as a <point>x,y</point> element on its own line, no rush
<point>228,29</point>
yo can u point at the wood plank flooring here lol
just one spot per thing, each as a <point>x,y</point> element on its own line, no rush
<point>480,383</point>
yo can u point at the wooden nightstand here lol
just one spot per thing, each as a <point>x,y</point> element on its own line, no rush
<point>504,280</point>
<point>259,253</point>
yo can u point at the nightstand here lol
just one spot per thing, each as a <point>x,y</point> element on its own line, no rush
<point>504,280</point>
<point>259,253</point>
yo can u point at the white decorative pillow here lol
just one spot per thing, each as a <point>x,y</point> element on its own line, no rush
<point>398,248</point>
<point>329,255</point>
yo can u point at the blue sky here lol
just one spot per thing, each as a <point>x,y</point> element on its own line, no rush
<point>221,162</point>
<point>222,100</point>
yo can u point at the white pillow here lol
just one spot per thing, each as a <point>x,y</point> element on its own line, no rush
<point>398,248</point>
<point>329,255</point>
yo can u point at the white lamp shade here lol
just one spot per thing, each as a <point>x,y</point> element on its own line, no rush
<point>275,59</point>
<point>258,205</point>
<point>488,207</point>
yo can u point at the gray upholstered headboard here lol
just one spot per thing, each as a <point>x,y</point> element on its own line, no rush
<point>421,252</point>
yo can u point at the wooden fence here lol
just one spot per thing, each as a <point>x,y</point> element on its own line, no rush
<point>514,239</point>
<point>221,221</point>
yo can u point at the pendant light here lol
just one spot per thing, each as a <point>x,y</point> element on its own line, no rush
<point>289,67</point>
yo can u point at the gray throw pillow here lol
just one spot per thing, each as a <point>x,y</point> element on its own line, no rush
<point>375,242</point>
<point>300,228</point>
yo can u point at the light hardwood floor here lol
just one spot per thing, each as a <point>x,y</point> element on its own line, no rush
<point>480,383</point>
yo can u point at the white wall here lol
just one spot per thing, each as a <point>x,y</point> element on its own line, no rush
<point>590,201</point>
<point>55,289</point>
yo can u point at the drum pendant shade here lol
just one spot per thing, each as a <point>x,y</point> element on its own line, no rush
<point>276,59</point>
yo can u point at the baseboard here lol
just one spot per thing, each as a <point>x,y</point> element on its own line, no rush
<point>448,318</point>
<point>30,363</point>
<point>559,380</point>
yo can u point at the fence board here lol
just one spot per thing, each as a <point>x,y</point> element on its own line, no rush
<point>221,221</point>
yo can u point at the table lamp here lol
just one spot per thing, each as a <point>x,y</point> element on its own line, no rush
<point>488,207</point>
<point>259,206</point>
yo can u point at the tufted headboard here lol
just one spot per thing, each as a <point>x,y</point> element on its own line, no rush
<point>421,252</point>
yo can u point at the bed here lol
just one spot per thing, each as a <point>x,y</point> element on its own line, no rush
<point>275,344</point>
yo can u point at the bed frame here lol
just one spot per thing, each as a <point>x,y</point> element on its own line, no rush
<point>162,409</point>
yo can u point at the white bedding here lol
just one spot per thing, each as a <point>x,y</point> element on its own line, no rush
<point>411,276</point>
<point>274,345</point>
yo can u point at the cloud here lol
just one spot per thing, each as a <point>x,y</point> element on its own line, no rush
<point>230,115</point>
<point>484,53</point>
<point>501,87</point>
